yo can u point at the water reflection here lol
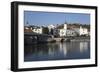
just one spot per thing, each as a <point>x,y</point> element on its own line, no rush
<point>83,46</point>
<point>57,51</point>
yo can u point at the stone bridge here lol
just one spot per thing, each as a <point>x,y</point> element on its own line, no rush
<point>31,38</point>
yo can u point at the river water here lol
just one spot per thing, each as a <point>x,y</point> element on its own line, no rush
<point>57,51</point>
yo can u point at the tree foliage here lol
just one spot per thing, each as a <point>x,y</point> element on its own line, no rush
<point>45,30</point>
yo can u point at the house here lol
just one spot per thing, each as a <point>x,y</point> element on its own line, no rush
<point>71,33</point>
<point>74,30</point>
<point>80,30</point>
<point>66,31</point>
<point>51,26</point>
<point>34,29</point>
<point>27,29</point>
<point>38,30</point>
<point>83,31</point>
<point>63,31</point>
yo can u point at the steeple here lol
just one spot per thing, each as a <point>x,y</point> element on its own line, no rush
<point>65,24</point>
<point>65,21</point>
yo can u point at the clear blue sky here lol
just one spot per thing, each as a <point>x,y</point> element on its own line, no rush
<point>47,18</point>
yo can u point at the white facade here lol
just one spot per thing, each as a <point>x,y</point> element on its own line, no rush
<point>83,31</point>
<point>51,26</point>
<point>38,30</point>
<point>65,26</point>
<point>63,31</point>
<point>71,33</point>
<point>66,32</point>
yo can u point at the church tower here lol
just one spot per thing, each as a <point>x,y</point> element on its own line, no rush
<point>65,25</point>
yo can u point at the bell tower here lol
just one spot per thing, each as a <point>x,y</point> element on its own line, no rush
<point>65,24</point>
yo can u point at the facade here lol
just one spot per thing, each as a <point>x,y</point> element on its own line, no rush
<point>27,29</point>
<point>63,30</point>
<point>66,32</point>
<point>51,26</point>
<point>71,33</point>
<point>83,31</point>
<point>72,30</point>
<point>38,30</point>
<point>34,29</point>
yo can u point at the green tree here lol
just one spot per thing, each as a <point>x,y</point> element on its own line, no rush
<point>45,30</point>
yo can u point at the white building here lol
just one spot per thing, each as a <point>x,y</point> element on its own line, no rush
<point>26,27</point>
<point>66,32</point>
<point>51,26</point>
<point>83,31</point>
<point>71,33</point>
<point>63,31</point>
<point>38,30</point>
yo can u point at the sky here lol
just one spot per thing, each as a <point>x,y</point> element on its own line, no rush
<point>47,18</point>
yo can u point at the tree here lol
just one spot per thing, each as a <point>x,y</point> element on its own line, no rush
<point>51,32</point>
<point>45,30</point>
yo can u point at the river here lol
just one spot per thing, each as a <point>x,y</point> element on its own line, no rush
<point>57,51</point>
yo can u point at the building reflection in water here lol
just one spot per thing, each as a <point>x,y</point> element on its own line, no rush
<point>83,46</point>
<point>63,48</point>
<point>57,51</point>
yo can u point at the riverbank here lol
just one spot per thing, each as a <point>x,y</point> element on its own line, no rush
<point>69,39</point>
<point>79,40</point>
<point>32,40</point>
